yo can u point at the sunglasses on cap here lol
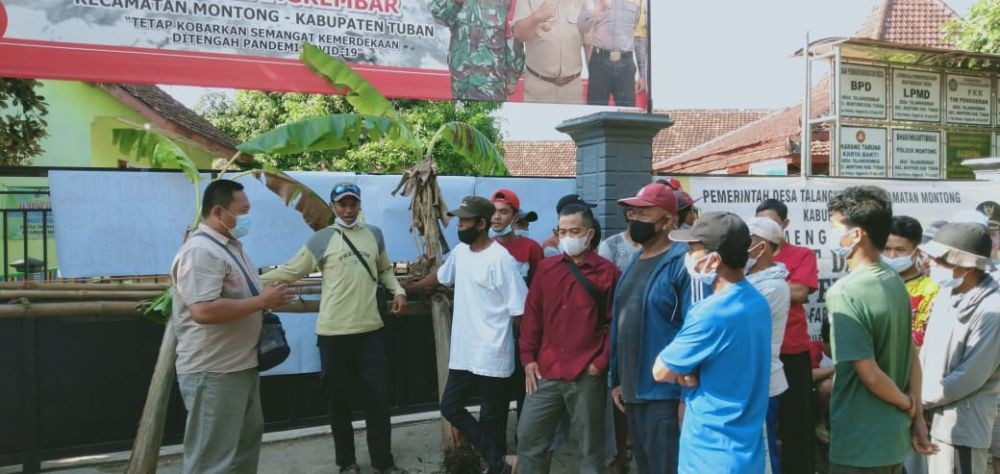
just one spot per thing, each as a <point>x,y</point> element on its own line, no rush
<point>346,188</point>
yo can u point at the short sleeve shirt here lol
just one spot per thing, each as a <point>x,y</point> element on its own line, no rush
<point>557,51</point>
<point>488,293</point>
<point>802,270</point>
<point>202,271</point>
<point>526,252</point>
<point>869,312</point>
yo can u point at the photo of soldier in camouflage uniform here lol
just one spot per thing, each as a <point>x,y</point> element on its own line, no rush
<point>481,54</point>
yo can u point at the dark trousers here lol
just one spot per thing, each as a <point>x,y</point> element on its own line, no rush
<point>796,426</point>
<point>656,433</point>
<point>489,434</point>
<point>357,360</point>
<point>611,79</point>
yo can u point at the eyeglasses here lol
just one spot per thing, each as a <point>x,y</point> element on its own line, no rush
<point>346,188</point>
<point>574,232</point>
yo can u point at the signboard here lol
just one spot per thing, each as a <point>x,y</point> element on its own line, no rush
<point>969,99</point>
<point>916,154</point>
<point>862,152</point>
<point>408,49</point>
<point>916,96</point>
<point>964,146</point>
<point>862,91</point>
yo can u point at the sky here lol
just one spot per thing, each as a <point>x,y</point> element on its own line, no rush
<point>708,54</point>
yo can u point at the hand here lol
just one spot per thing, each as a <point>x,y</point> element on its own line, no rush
<point>689,381</point>
<point>531,377</point>
<point>546,12</point>
<point>512,89</point>
<point>602,7</point>
<point>592,370</point>
<point>640,86</point>
<point>616,398</point>
<point>398,304</point>
<point>275,295</point>
<point>911,411</point>
<point>681,410</point>
<point>920,439</point>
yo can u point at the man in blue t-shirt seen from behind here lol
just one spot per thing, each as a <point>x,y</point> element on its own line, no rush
<point>722,353</point>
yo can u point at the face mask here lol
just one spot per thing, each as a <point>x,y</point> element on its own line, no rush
<point>343,224</point>
<point>641,232</point>
<point>502,232</point>
<point>945,277</point>
<point>468,236</point>
<point>573,247</point>
<point>837,236</point>
<point>242,225</point>
<point>702,277</point>
<point>900,264</point>
<point>521,233</point>
<point>752,261</point>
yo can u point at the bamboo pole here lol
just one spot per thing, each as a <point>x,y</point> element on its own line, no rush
<point>87,295</point>
<point>60,286</point>
<point>133,308</point>
<point>146,447</point>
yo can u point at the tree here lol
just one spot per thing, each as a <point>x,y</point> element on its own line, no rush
<point>979,30</point>
<point>250,113</point>
<point>21,131</point>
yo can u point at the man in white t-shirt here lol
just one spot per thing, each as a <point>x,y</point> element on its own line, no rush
<point>489,293</point>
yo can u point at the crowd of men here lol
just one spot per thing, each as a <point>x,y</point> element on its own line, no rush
<point>680,344</point>
<point>496,42</point>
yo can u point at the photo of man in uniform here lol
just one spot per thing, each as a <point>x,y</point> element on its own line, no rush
<point>618,45</point>
<point>553,49</point>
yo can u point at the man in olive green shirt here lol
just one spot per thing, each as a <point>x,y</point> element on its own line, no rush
<point>349,327</point>
<point>875,409</point>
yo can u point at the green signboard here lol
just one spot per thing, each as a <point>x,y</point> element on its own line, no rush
<point>964,146</point>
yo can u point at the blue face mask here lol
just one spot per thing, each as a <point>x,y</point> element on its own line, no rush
<point>494,234</point>
<point>836,236</point>
<point>242,228</point>
<point>521,233</point>
<point>900,264</point>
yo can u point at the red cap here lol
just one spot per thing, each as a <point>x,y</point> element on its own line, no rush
<point>508,197</point>
<point>653,195</point>
<point>684,200</point>
<point>674,183</point>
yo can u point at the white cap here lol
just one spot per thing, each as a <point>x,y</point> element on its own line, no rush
<point>766,229</point>
<point>970,215</point>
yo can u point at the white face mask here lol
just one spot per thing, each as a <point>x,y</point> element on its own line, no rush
<point>573,246</point>
<point>343,224</point>
<point>703,277</point>
<point>901,264</point>
<point>945,277</point>
<point>751,260</point>
<point>836,237</point>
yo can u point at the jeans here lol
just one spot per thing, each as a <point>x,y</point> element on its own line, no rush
<point>489,434</point>
<point>656,432</point>
<point>796,427</point>
<point>351,361</point>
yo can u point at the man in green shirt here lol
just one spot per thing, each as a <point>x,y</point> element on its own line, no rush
<point>875,409</point>
<point>351,256</point>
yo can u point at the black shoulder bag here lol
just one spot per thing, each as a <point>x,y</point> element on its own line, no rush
<point>599,298</point>
<point>272,347</point>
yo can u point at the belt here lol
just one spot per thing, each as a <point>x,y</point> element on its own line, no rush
<point>614,55</point>
<point>559,81</point>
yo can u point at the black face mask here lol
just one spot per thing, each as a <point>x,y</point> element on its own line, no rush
<point>468,236</point>
<point>641,232</point>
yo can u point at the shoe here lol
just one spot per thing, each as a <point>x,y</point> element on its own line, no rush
<point>352,469</point>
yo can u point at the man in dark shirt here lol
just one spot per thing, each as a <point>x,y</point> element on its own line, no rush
<point>564,345</point>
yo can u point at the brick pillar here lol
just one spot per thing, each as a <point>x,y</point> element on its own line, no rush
<point>614,152</point>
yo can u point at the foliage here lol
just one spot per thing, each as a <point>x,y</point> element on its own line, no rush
<point>22,121</point>
<point>979,30</point>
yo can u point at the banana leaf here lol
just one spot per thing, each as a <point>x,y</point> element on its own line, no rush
<point>473,145</point>
<point>159,150</point>
<point>159,310</point>
<point>315,210</point>
<point>330,132</point>
<point>360,93</point>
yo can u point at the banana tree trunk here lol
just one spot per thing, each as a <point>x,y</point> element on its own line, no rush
<point>146,448</point>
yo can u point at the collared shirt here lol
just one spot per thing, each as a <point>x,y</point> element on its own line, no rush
<point>557,52</point>
<point>203,272</point>
<point>347,304</point>
<point>616,28</point>
<point>562,329</point>
<point>526,252</point>
<point>802,270</point>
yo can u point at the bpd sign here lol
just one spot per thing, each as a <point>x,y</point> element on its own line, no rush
<point>863,93</point>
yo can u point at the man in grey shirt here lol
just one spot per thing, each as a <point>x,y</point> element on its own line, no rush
<point>217,321</point>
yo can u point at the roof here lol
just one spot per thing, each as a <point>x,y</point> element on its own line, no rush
<point>691,128</point>
<point>172,116</point>
<point>777,136</point>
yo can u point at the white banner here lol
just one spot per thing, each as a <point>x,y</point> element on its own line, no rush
<point>916,96</point>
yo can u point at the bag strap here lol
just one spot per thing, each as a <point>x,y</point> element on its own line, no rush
<point>598,297</point>
<point>253,287</point>
<point>357,254</point>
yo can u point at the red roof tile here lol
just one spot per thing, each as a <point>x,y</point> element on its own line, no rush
<point>915,22</point>
<point>691,128</point>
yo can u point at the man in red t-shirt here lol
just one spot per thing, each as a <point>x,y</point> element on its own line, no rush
<point>527,252</point>
<point>795,411</point>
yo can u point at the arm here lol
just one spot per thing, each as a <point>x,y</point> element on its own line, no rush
<point>588,14</point>
<point>531,325</point>
<point>302,264</point>
<point>446,11</point>
<point>601,361</point>
<point>877,382</point>
<point>696,342</point>
<point>387,275</point>
<point>516,292</point>
<point>822,374</point>
<point>642,43</point>
<point>799,292</point>
<point>804,279</point>
<point>198,277</point>
<point>527,22</point>
<point>978,364</point>
<point>225,310</point>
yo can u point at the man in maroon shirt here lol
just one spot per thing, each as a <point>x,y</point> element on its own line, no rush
<point>527,252</point>
<point>795,410</point>
<point>564,345</point>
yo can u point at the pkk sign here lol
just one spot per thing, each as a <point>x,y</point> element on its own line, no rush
<point>969,100</point>
<point>862,152</point>
<point>916,96</point>
<point>862,91</point>
<point>916,154</point>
